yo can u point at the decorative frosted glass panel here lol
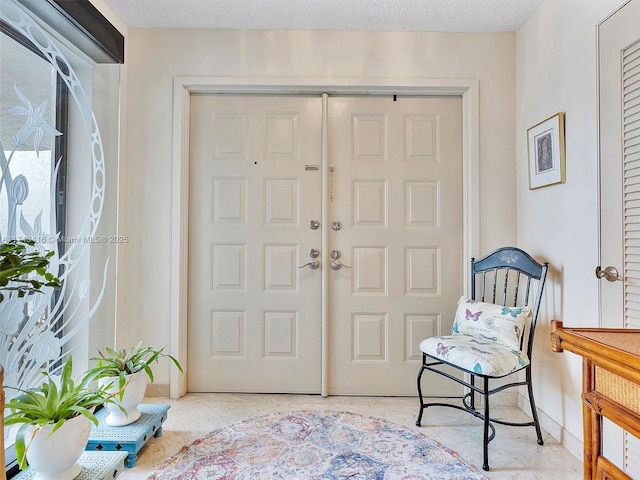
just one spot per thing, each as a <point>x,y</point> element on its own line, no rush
<point>281,136</point>
<point>281,201</point>
<point>279,267</point>
<point>421,134</point>
<point>370,203</point>
<point>369,337</point>
<point>229,200</point>
<point>45,107</point>
<point>417,327</point>
<point>421,204</point>
<point>370,270</point>
<point>370,138</point>
<point>421,271</point>
<point>229,135</point>
<point>280,334</point>
<point>227,333</point>
<point>228,266</point>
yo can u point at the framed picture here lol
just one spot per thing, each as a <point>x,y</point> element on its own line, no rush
<point>545,143</point>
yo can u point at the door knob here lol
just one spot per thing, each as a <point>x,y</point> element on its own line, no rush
<point>336,225</point>
<point>337,265</point>
<point>313,264</point>
<point>314,224</point>
<point>608,273</point>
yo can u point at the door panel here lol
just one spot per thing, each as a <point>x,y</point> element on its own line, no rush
<point>254,317</point>
<point>396,182</point>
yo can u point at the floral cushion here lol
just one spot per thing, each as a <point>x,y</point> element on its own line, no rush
<point>491,322</point>
<point>475,355</point>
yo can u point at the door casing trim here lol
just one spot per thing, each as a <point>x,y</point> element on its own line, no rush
<point>184,87</point>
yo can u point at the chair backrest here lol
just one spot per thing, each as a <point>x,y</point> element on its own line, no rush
<point>510,277</point>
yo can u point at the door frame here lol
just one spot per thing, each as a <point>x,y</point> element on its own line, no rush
<point>184,87</point>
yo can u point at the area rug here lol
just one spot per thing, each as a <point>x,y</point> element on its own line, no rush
<point>307,445</point>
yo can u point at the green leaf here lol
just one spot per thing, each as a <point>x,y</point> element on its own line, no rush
<point>17,265</point>
<point>20,447</point>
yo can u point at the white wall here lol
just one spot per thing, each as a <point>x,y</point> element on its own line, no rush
<point>156,56</point>
<point>556,72</point>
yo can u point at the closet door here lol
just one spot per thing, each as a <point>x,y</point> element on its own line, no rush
<point>619,120</point>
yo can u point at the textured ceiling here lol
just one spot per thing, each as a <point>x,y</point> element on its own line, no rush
<point>380,15</point>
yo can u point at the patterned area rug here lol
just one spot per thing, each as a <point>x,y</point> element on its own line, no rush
<point>315,446</point>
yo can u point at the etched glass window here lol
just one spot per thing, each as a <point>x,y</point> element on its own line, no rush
<point>54,190</point>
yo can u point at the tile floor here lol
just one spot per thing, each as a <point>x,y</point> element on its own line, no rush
<point>513,454</point>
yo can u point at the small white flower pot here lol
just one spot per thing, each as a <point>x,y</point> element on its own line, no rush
<point>134,391</point>
<point>55,457</point>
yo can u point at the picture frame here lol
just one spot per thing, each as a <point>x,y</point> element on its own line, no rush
<point>546,151</point>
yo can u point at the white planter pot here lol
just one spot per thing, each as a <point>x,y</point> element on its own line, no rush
<point>134,391</point>
<point>55,457</point>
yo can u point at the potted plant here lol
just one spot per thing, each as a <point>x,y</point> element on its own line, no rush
<point>127,372</point>
<point>55,420</point>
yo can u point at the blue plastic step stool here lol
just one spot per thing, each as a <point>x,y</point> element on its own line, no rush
<point>129,438</point>
<point>95,466</point>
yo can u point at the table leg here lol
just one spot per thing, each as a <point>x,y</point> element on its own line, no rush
<point>591,422</point>
<point>132,458</point>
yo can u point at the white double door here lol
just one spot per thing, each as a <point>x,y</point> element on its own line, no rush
<point>369,182</point>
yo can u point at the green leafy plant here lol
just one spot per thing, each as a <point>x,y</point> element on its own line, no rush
<point>123,362</point>
<point>53,403</point>
<point>17,261</point>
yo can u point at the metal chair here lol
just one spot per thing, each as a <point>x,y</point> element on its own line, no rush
<point>488,337</point>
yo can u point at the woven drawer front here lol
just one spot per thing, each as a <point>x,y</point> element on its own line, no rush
<point>618,389</point>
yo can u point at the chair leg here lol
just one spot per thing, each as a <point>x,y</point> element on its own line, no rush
<point>473,394</point>
<point>419,420</point>
<point>534,411</point>
<point>485,438</point>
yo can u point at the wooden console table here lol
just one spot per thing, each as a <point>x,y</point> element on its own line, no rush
<point>610,387</point>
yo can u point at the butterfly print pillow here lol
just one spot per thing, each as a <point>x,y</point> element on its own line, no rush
<point>490,322</point>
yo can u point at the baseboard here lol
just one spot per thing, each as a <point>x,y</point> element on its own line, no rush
<point>557,431</point>
<point>503,399</point>
<point>157,390</point>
